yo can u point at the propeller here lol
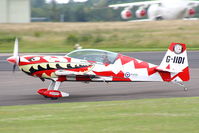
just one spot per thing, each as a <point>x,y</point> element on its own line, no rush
<point>14,67</point>
<point>15,58</point>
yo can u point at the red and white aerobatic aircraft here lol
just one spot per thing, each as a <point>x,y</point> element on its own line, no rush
<point>159,9</point>
<point>91,65</point>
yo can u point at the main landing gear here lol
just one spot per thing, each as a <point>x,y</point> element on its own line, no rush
<point>52,91</point>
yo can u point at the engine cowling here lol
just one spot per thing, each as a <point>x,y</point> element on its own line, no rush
<point>191,12</point>
<point>140,13</point>
<point>126,14</point>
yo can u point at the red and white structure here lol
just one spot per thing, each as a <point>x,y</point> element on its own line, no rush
<point>91,65</point>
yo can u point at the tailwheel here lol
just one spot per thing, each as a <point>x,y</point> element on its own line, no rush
<point>181,84</point>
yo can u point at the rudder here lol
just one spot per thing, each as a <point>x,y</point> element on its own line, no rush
<point>175,61</point>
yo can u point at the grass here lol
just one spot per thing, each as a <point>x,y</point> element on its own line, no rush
<point>114,36</point>
<point>174,115</point>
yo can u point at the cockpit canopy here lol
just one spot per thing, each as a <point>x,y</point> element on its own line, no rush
<point>95,55</point>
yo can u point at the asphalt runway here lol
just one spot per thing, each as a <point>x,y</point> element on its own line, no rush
<point>20,89</point>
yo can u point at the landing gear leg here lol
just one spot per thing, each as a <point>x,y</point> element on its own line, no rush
<point>50,87</point>
<point>54,86</point>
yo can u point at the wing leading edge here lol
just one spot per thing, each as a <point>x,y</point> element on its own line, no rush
<point>130,5</point>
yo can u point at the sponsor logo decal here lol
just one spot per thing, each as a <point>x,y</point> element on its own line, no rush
<point>178,48</point>
<point>127,75</point>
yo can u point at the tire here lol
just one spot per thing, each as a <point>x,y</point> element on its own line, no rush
<point>54,98</point>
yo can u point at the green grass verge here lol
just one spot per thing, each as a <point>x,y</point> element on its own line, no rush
<point>114,36</point>
<point>174,115</point>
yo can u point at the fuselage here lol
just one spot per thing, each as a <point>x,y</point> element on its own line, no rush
<point>168,9</point>
<point>63,68</point>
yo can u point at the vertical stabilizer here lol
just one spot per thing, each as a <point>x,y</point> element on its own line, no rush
<point>175,61</point>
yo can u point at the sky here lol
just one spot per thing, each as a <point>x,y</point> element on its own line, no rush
<point>66,1</point>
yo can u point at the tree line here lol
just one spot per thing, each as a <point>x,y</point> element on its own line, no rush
<point>92,10</point>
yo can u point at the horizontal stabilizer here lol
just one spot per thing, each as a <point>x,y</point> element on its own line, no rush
<point>167,70</point>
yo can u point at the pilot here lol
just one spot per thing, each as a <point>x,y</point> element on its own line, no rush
<point>105,59</point>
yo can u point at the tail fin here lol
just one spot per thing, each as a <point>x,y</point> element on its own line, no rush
<point>175,62</point>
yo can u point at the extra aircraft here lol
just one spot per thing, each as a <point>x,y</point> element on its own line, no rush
<point>159,10</point>
<point>91,65</point>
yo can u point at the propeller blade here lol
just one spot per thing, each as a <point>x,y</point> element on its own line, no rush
<point>16,48</point>
<point>15,59</point>
<point>14,67</point>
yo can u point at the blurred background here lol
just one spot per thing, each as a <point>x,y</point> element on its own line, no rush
<point>12,11</point>
<point>58,25</point>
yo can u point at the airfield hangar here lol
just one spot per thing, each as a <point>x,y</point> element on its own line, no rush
<point>15,11</point>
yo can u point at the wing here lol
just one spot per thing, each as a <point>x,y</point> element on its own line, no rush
<point>193,3</point>
<point>130,5</point>
<point>72,73</point>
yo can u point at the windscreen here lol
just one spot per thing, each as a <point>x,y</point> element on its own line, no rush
<point>94,55</point>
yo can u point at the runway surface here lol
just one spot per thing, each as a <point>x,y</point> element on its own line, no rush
<point>20,89</point>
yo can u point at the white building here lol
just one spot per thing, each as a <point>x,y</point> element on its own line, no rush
<point>15,11</point>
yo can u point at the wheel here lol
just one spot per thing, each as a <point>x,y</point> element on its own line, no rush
<point>185,89</point>
<point>159,18</point>
<point>45,96</point>
<point>54,98</point>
